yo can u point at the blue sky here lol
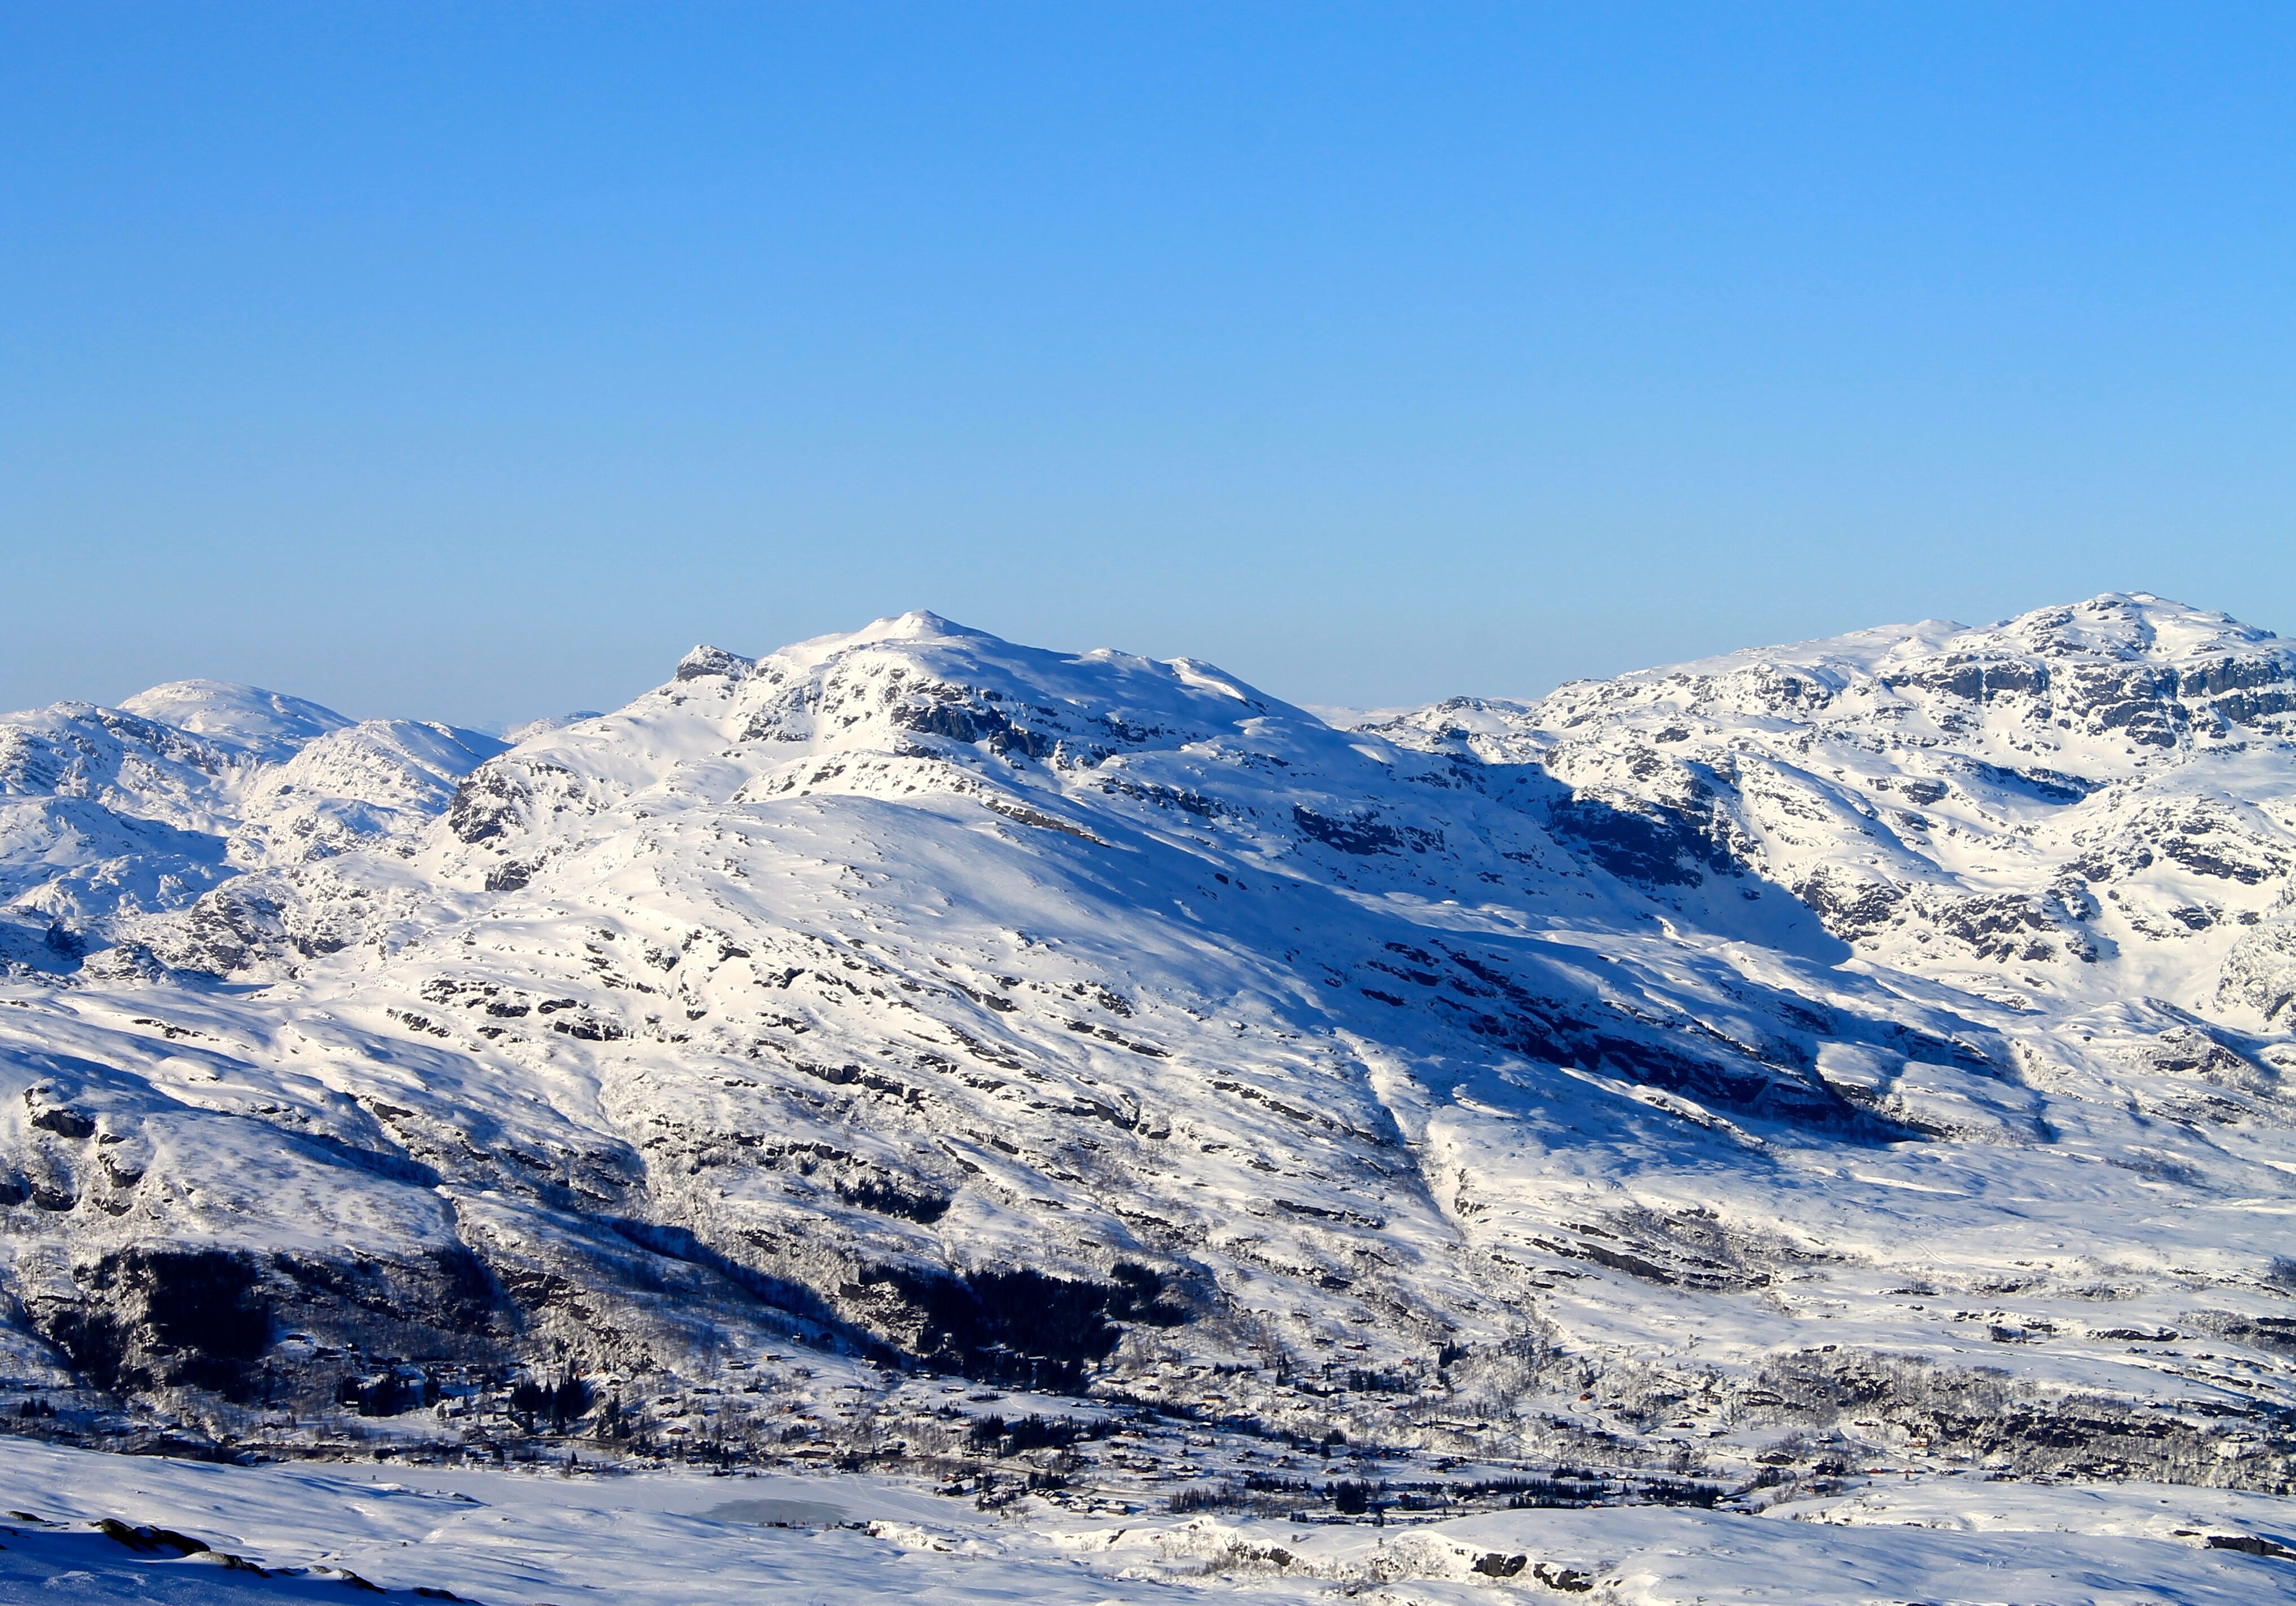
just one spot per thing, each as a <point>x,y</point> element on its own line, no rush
<point>471,361</point>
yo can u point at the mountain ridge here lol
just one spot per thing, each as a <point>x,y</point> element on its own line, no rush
<point>1095,1022</point>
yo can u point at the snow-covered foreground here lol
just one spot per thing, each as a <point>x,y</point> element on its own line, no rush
<point>500,1536</point>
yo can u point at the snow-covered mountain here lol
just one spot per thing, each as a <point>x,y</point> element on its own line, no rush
<point>2081,805</point>
<point>108,813</point>
<point>1875,1045</point>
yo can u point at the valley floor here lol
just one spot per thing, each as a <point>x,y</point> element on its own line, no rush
<point>86,1526</point>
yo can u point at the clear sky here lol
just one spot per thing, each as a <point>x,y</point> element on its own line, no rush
<point>471,361</point>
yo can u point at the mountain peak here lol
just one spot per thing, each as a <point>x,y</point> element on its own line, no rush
<point>917,625</point>
<point>706,660</point>
<point>268,724</point>
<point>921,624</point>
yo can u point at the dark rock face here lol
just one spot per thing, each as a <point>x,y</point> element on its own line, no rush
<point>452,1295</point>
<point>63,1122</point>
<point>1018,1326</point>
<point>210,1319</point>
<point>705,663</point>
<point>509,877</point>
<point>1648,844</point>
<point>157,1316</point>
<point>1850,905</point>
<point>230,929</point>
<point>1365,834</point>
<point>2002,926</point>
<point>1976,678</point>
<point>972,715</point>
<point>887,1197</point>
<point>490,801</point>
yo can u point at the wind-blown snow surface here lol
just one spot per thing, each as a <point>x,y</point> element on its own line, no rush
<point>1870,1049</point>
<point>497,1538</point>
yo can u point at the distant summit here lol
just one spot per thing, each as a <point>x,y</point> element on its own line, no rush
<point>231,716</point>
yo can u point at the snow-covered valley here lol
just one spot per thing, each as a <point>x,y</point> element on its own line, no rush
<point>1597,1130</point>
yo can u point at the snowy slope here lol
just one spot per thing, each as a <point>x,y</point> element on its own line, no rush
<point>501,1537</point>
<point>1868,1048</point>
